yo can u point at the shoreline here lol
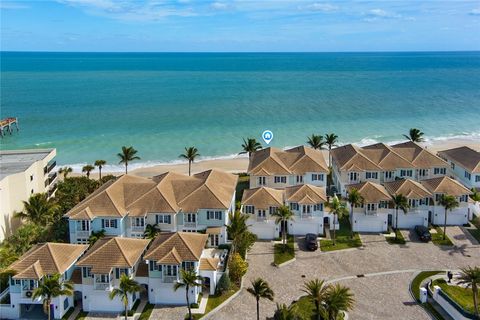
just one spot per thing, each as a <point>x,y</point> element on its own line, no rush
<point>239,164</point>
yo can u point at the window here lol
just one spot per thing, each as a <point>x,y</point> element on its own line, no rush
<point>424,172</point>
<point>468,175</point>
<point>306,208</point>
<point>154,266</point>
<point>214,240</point>
<point>171,270</point>
<point>406,173</point>
<point>353,176</point>
<point>439,170</point>
<point>189,265</point>
<point>272,210</point>
<point>119,272</point>
<point>214,215</point>
<point>65,304</point>
<point>318,207</point>
<point>82,241</point>
<point>453,166</point>
<point>293,206</point>
<point>389,174</point>
<point>477,178</point>
<point>190,217</point>
<point>299,179</point>
<point>317,177</point>
<point>83,225</point>
<point>437,197</point>
<point>371,175</point>
<point>109,223</point>
<point>31,177</point>
<point>249,209</point>
<point>282,179</point>
<point>371,206</point>
<point>464,198</point>
<point>261,213</point>
<point>103,278</point>
<point>163,219</point>
<point>413,203</point>
<point>138,222</point>
<point>383,204</point>
<point>261,181</point>
<point>87,272</point>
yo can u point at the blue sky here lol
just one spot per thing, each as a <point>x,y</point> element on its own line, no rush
<point>239,25</point>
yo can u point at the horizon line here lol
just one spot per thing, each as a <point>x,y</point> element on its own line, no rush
<point>353,51</point>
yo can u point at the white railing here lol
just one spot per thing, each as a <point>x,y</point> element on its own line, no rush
<point>138,228</point>
<point>169,279</point>
<point>103,286</point>
<point>189,224</point>
<point>261,219</point>
<point>371,212</point>
<point>83,234</point>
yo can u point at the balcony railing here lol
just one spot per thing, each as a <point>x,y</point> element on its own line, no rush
<point>371,212</point>
<point>306,216</point>
<point>138,228</point>
<point>52,190</point>
<point>189,224</point>
<point>83,233</point>
<point>169,279</point>
<point>261,219</point>
<point>103,286</point>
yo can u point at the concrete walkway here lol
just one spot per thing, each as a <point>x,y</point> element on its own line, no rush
<point>203,305</point>
<point>434,304</point>
<point>460,237</point>
<point>75,312</point>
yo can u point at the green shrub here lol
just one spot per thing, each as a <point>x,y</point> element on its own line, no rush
<point>224,246</point>
<point>237,267</point>
<point>224,284</point>
<point>194,305</point>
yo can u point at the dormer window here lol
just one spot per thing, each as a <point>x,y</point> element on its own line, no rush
<point>261,181</point>
<point>281,179</point>
<point>249,209</point>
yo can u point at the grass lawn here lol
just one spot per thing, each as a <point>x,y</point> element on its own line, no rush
<point>214,301</point>
<point>283,254</point>
<point>147,311</point>
<point>400,239</point>
<point>437,238</point>
<point>343,239</point>
<point>306,309</point>
<point>81,315</point>
<point>462,296</point>
<point>418,279</point>
<point>475,233</point>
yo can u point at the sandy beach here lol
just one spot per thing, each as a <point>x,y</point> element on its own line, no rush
<point>240,164</point>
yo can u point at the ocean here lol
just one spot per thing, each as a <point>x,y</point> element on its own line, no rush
<point>88,105</point>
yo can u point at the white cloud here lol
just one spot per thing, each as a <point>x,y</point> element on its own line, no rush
<point>323,7</point>
<point>219,6</point>
<point>475,12</point>
<point>378,14</point>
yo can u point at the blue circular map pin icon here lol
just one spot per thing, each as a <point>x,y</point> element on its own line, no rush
<point>267,136</point>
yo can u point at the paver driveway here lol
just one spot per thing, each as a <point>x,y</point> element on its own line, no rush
<point>381,294</point>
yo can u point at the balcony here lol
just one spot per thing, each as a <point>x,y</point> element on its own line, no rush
<point>52,190</point>
<point>49,167</point>
<point>189,224</point>
<point>371,212</point>
<point>83,233</point>
<point>169,279</point>
<point>138,228</point>
<point>261,219</point>
<point>103,286</point>
<point>306,216</point>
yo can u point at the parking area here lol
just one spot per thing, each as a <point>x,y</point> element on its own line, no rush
<point>378,273</point>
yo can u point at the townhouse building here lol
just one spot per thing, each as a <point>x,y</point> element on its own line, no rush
<point>41,261</point>
<point>464,165</point>
<point>171,202</point>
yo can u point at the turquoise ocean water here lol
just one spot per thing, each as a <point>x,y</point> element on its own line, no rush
<point>87,105</point>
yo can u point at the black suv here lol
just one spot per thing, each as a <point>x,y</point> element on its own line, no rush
<point>423,233</point>
<point>311,241</point>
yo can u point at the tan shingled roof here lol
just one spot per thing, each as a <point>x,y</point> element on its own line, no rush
<point>350,157</point>
<point>445,185</point>
<point>108,253</point>
<point>305,194</point>
<point>371,192</point>
<point>262,197</point>
<point>385,157</point>
<point>407,187</point>
<point>47,259</point>
<point>418,156</point>
<point>465,157</point>
<point>298,160</point>
<point>209,264</point>
<point>176,247</point>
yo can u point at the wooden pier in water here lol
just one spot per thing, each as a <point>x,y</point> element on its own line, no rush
<point>7,124</point>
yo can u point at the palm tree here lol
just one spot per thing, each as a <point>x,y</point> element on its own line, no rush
<point>449,203</point>
<point>338,299</point>
<point>355,199</point>
<point>250,146</point>
<point>87,169</point>
<point>414,135</point>
<point>190,154</point>
<point>100,164</point>
<point>286,313</point>
<point>236,228</point>
<point>316,142</point>
<point>65,171</point>
<point>189,279</point>
<point>51,287</point>
<point>331,140</point>
<point>337,208</point>
<point>475,195</point>
<point>39,209</point>
<point>400,202</point>
<point>127,155</point>
<point>282,215</point>
<point>471,277</point>
<point>316,291</point>
<point>95,236</point>
<point>126,287</point>
<point>151,231</point>
<point>260,289</point>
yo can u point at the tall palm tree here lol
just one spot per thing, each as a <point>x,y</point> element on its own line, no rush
<point>260,290</point>
<point>126,287</point>
<point>51,287</point>
<point>339,298</point>
<point>87,169</point>
<point>250,146</point>
<point>190,154</point>
<point>189,279</point>
<point>236,228</point>
<point>39,209</point>
<point>471,277</point>
<point>95,236</point>
<point>400,202</point>
<point>449,203</point>
<point>151,231</point>
<point>100,164</point>
<point>127,155</point>
<point>331,140</point>
<point>414,135</point>
<point>65,171</point>
<point>337,208</point>
<point>355,199</point>
<point>284,312</point>
<point>282,215</point>
<point>316,141</point>
<point>316,291</point>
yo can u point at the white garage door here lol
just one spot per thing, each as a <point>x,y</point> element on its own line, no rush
<point>265,232</point>
<point>409,221</point>
<point>301,229</point>
<point>369,225</point>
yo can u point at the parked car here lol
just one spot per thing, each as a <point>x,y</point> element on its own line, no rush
<point>423,233</point>
<point>311,241</point>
